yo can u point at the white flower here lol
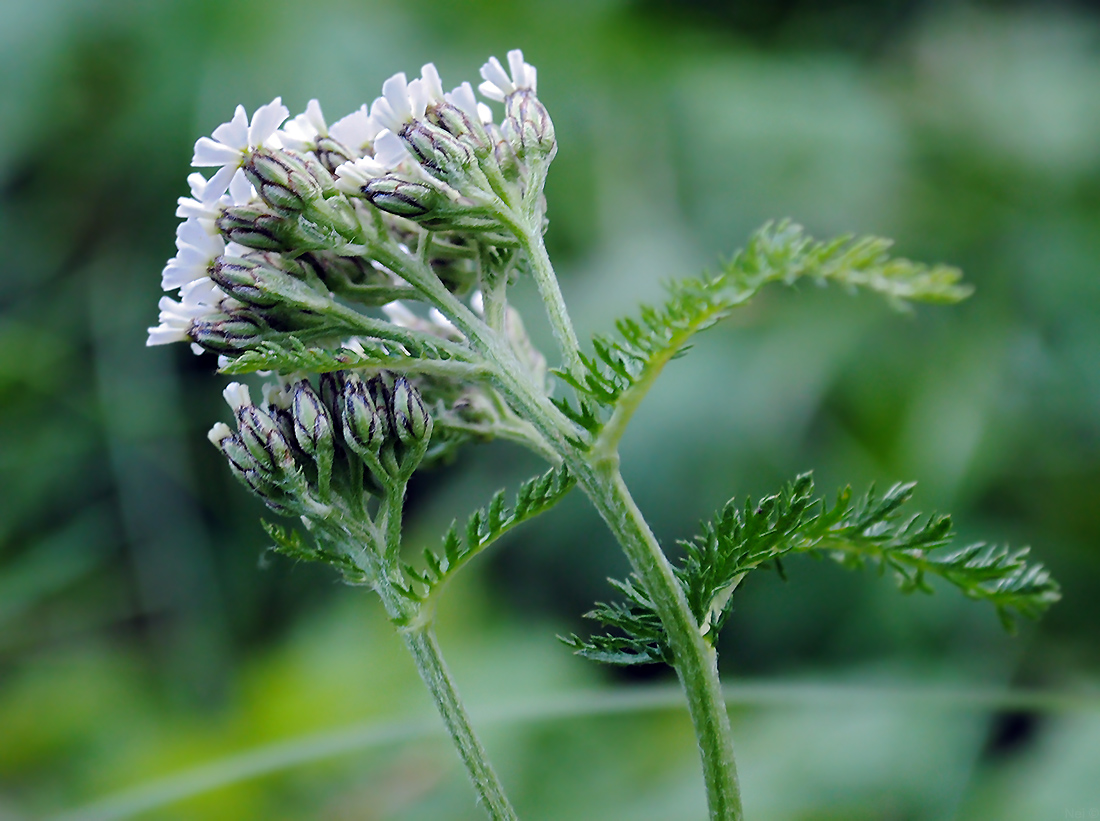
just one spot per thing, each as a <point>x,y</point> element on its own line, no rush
<point>356,131</point>
<point>498,85</point>
<point>390,154</point>
<point>197,250</point>
<point>301,133</point>
<point>197,207</point>
<point>232,141</point>
<point>403,102</point>
<point>197,299</point>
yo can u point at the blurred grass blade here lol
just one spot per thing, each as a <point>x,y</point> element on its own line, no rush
<point>285,755</point>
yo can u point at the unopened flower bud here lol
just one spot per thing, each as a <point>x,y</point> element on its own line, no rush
<point>365,424</point>
<point>332,153</point>
<point>332,392</point>
<point>313,429</point>
<point>254,226</point>
<point>528,126</point>
<point>231,446</point>
<point>411,419</point>
<point>460,125</point>
<point>282,180</point>
<point>259,432</point>
<point>239,277</point>
<point>403,196</point>
<point>228,333</point>
<point>437,150</point>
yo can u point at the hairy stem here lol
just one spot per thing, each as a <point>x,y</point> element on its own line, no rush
<point>547,282</point>
<point>429,662</point>
<point>695,659</point>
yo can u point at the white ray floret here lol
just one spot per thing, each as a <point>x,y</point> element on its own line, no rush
<point>356,131</point>
<point>230,143</point>
<point>197,249</point>
<point>302,132</point>
<point>498,85</point>
<point>207,212</point>
<point>197,299</point>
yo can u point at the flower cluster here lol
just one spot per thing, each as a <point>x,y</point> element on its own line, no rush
<point>296,210</point>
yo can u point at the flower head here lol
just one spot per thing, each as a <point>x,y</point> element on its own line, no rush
<point>232,141</point>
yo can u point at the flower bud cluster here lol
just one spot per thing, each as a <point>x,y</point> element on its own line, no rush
<point>302,449</point>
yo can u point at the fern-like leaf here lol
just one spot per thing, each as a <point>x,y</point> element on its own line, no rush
<point>623,366</point>
<point>873,531</point>
<point>483,527</point>
<point>289,542</point>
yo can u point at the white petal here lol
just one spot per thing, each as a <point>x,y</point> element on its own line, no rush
<point>218,432</point>
<point>396,92</point>
<point>516,64</point>
<point>165,335</point>
<point>220,181</point>
<point>264,122</point>
<point>197,183</point>
<point>490,92</point>
<point>240,189</point>
<point>494,75</point>
<point>355,130</point>
<point>418,100</point>
<point>462,97</point>
<point>484,113</point>
<point>210,153</point>
<point>191,232</point>
<point>200,293</point>
<point>236,395</point>
<point>316,118</point>
<point>235,132</point>
<point>390,150</point>
<point>433,86</point>
<point>187,208</point>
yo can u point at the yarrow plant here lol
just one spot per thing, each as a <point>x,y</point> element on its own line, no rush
<point>364,266</point>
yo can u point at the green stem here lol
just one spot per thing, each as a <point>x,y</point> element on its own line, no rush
<point>695,659</point>
<point>547,282</point>
<point>429,662</point>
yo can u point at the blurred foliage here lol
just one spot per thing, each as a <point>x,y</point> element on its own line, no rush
<point>142,626</point>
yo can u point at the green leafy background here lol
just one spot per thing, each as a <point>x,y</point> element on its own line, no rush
<point>144,630</point>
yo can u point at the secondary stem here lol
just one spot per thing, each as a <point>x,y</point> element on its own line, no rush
<point>550,292</point>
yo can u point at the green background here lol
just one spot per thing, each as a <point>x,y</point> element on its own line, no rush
<point>143,629</point>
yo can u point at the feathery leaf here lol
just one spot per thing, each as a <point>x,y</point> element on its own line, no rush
<point>485,526</point>
<point>871,531</point>
<point>624,366</point>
